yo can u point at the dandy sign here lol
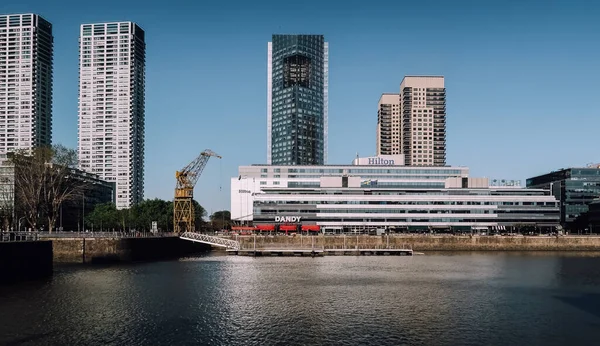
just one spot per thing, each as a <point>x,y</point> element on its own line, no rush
<point>288,218</point>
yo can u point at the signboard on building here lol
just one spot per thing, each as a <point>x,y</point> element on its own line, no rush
<point>504,182</point>
<point>288,219</point>
<point>154,226</point>
<point>381,160</point>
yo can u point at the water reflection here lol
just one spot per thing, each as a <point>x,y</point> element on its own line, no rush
<point>436,299</point>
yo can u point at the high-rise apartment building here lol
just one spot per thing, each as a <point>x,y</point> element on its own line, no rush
<point>388,125</point>
<point>112,62</point>
<point>423,120</point>
<point>26,54</point>
<point>297,99</point>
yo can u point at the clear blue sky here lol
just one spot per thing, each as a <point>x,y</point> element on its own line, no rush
<point>522,78</point>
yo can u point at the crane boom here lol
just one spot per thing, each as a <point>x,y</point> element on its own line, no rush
<point>183,206</point>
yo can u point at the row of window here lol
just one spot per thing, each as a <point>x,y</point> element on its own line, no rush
<point>446,203</point>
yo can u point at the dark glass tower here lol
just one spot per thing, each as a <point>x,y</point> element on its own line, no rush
<point>298,67</point>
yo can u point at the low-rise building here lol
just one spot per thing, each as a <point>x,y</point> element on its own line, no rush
<point>376,194</point>
<point>94,191</point>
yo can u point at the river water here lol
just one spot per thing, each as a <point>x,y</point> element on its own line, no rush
<point>436,299</point>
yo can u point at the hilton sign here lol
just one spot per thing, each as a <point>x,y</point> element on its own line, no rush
<point>380,161</point>
<point>288,218</point>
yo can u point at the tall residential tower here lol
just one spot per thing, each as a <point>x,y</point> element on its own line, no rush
<point>26,54</point>
<point>388,125</point>
<point>423,120</point>
<point>112,63</point>
<point>297,98</point>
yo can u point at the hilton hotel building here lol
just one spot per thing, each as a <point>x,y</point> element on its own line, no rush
<point>380,193</point>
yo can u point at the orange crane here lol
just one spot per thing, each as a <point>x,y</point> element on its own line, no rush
<point>183,206</point>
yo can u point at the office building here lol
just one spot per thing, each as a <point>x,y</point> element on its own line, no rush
<point>26,53</point>
<point>297,98</point>
<point>423,120</point>
<point>574,188</point>
<point>388,125</point>
<point>112,62</point>
<point>592,221</point>
<point>93,191</point>
<point>379,193</point>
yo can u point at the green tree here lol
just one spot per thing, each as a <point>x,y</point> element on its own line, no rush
<point>221,219</point>
<point>43,181</point>
<point>104,217</point>
<point>140,216</point>
<point>199,214</point>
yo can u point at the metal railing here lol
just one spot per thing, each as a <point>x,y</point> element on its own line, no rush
<point>369,247</point>
<point>212,240</point>
<point>18,236</point>
<point>104,234</point>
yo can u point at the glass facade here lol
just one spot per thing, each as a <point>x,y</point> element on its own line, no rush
<point>434,208</point>
<point>297,97</point>
<point>575,188</point>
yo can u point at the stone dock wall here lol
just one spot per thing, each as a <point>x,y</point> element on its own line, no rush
<point>98,250</point>
<point>25,260</point>
<point>430,243</point>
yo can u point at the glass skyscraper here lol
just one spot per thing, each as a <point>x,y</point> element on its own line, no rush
<point>297,71</point>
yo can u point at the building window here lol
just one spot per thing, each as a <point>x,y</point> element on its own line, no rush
<point>296,71</point>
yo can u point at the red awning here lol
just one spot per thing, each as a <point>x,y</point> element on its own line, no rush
<point>265,227</point>
<point>314,228</point>
<point>288,227</point>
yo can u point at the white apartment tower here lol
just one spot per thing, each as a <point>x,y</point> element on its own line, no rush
<point>112,63</point>
<point>423,121</point>
<point>388,125</point>
<point>26,53</point>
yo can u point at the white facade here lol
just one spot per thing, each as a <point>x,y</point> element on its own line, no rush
<point>269,99</point>
<point>325,100</point>
<point>26,53</point>
<point>423,120</point>
<point>350,198</point>
<point>380,160</point>
<point>111,106</point>
<point>256,179</point>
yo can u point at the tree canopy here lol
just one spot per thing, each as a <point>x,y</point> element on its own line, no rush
<point>221,219</point>
<point>43,180</point>
<point>139,217</point>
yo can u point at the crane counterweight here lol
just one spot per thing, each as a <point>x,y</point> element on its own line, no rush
<point>183,205</point>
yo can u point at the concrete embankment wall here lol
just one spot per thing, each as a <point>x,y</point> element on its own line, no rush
<point>28,260</point>
<point>96,250</point>
<point>432,243</point>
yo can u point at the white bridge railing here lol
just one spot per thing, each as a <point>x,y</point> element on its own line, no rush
<point>212,240</point>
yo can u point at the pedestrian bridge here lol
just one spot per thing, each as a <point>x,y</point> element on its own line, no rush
<point>212,240</point>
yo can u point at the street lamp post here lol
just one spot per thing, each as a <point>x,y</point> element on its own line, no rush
<point>19,224</point>
<point>83,212</point>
